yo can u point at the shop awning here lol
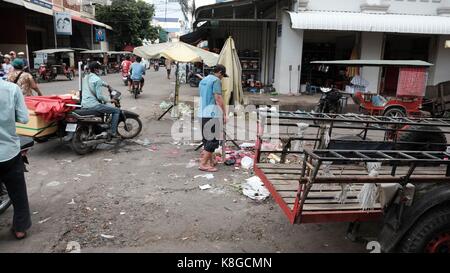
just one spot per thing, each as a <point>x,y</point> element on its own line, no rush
<point>31,6</point>
<point>194,38</point>
<point>355,21</point>
<point>100,24</point>
<point>82,20</point>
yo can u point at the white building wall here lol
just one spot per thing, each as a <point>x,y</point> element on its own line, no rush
<point>427,7</point>
<point>371,49</point>
<point>289,53</point>
<point>442,62</point>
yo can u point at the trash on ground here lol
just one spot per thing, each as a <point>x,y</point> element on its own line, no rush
<point>153,149</point>
<point>247,145</point>
<point>71,202</point>
<point>207,176</point>
<point>191,164</point>
<point>122,213</point>
<point>144,142</point>
<point>107,236</point>
<point>73,247</point>
<point>36,212</point>
<point>43,173</point>
<point>107,159</point>
<point>255,189</point>
<point>205,187</point>
<point>85,175</point>
<point>247,163</point>
<point>45,220</point>
<point>53,184</point>
<point>274,158</point>
<point>165,105</point>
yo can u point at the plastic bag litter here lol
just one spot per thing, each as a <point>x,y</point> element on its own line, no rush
<point>247,163</point>
<point>184,109</point>
<point>255,189</point>
<point>207,176</point>
<point>73,247</point>
<point>144,142</point>
<point>165,105</point>
<point>205,187</point>
<point>369,192</point>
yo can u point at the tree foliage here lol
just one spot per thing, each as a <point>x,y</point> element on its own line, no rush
<point>130,20</point>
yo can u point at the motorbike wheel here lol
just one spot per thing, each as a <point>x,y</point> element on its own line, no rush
<point>77,142</point>
<point>5,201</point>
<point>136,94</point>
<point>132,129</point>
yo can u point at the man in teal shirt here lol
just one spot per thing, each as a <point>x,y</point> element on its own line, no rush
<point>12,110</point>
<point>93,98</point>
<point>212,115</point>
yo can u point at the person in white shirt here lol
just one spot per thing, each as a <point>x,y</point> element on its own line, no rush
<point>7,66</point>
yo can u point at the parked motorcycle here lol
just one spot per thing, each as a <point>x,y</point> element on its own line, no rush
<point>49,73</point>
<point>88,128</point>
<point>330,101</point>
<point>194,79</point>
<point>5,202</point>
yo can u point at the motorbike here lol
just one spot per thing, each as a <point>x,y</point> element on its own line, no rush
<point>194,79</point>
<point>136,88</point>
<point>86,129</point>
<point>25,145</point>
<point>125,78</point>
<point>329,101</point>
<point>49,73</point>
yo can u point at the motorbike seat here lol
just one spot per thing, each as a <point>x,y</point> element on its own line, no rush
<point>87,112</point>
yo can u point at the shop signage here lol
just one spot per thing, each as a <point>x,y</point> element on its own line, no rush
<point>447,44</point>
<point>42,3</point>
<point>100,35</point>
<point>63,23</point>
<point>41,58</point>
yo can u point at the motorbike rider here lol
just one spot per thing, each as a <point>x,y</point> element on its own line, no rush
<point>137,72</point>
<point>125,66</point>
<point>93,99</point>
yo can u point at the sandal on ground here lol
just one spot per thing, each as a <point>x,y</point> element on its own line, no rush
<point>210,169</point>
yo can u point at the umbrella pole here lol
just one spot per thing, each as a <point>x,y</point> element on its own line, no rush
<point>175,97</point>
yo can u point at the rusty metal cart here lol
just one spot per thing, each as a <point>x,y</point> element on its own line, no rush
<point>322,181</point>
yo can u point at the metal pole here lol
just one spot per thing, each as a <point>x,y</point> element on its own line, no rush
<point>290,80</point>
<point>92,36</point>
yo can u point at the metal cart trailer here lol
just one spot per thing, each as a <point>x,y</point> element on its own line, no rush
<point>324,179</point>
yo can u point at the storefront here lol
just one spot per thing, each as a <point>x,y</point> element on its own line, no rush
<point>290,34</point>
<point>34,28</point>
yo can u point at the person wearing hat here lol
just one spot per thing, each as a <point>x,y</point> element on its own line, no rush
<point>26,65</point>
<point>212,116</point>
<point>13,55</point>
<point>7,66</point>
<point>23,79</point>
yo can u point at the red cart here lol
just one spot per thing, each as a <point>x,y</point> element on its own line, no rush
<point>403,85</point>
<point>323,180</point>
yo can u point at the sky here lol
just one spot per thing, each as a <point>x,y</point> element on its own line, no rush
<point>173,9</point>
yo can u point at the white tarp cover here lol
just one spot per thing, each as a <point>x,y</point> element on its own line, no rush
<point>177,51</point>
<point>371,22</point>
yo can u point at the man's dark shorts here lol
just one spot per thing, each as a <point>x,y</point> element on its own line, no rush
<point>211,132</point>
<point>131,81</point>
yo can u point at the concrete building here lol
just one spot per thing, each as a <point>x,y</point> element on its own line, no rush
<point>284,36</point>
<point>168,16</point>
<point>32,25</point>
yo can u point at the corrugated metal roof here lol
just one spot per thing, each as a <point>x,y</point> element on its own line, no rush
<point>355,21</point>
<point>375,63</point>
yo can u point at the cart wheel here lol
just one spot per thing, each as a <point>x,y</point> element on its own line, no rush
<point>395,112</point>
<point>423,136</point>
<point>431,234</point>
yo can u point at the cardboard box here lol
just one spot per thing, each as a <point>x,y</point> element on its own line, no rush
<point>36,127</point>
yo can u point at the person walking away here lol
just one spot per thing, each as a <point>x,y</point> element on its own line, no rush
<point>168,67</point>
<point>212,110</point>
<point>12,110</point>
<point>137,72</point>
<point>125,66</point>
<point>26,63</point>
<point>23,79</point>
<point>7,66</point>
<point>93,98</point>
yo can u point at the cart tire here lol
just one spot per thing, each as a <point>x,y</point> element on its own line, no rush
<point>434,135</point>
<point>395,112</point>
<point>430,234</point>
